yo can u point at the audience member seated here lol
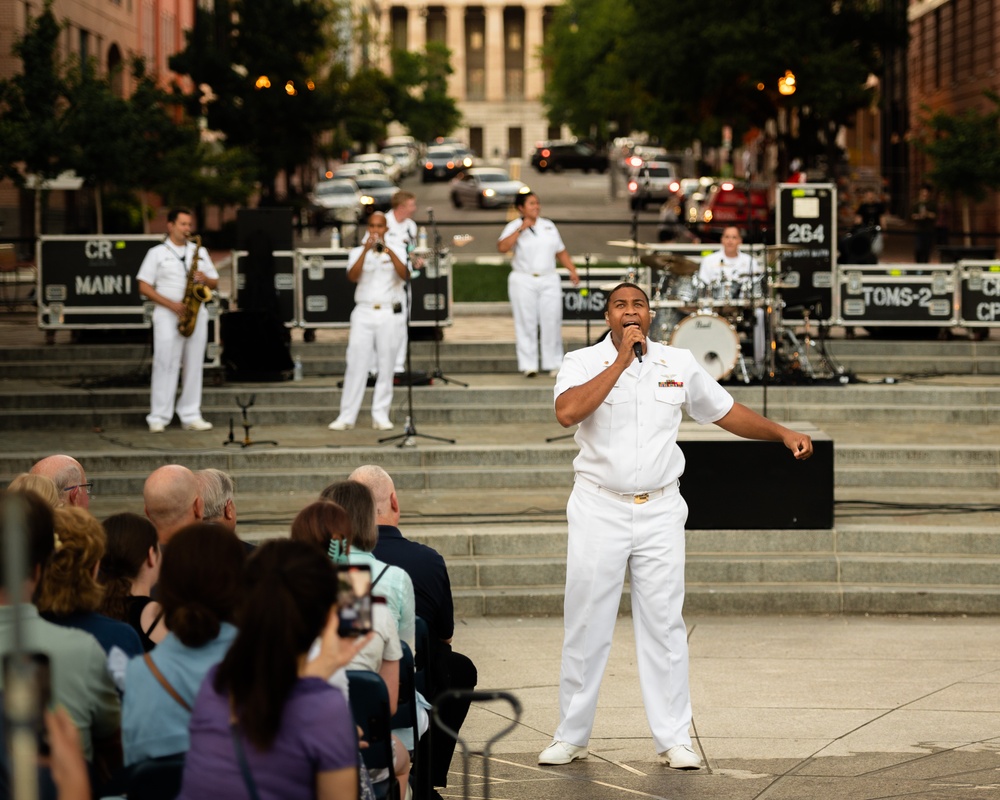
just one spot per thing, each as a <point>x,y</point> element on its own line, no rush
<point>172,500</point>
<point>434,604</point>
<point>218,494</point>
<point>265,717</point>
<point>388,582</point>
<point>80,682</point>
<point>129,571</point>
<point>70,595</point>
<point>68,475</point>
<point>200,587</point>
<point>41,485</point>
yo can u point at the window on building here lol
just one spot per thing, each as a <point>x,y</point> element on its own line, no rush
<point>437,24</point>
<point>475,54</point>
<point>115,71</point>
<point>476,139</point>
<point>513,52</point>
<point>515,142</point>
<point>547,13</point>
<point>398,19</point>
<point>84,45</point>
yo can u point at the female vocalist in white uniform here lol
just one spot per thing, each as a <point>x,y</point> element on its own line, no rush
<point>163,278</point>
<point>534,287</point>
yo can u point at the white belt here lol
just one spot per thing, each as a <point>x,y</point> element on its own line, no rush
<point>637,498</point>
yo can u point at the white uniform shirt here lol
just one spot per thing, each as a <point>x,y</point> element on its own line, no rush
<point>379,282</point>
<point>718,267</point>
<point>629,443</point>
<point>166,267</point>
<point>536,248</point>
<point>401,235</point>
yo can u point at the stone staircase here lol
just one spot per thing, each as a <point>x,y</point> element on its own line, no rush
<point>917,469</point>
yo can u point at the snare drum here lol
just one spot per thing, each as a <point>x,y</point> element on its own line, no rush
<point>712,340</point>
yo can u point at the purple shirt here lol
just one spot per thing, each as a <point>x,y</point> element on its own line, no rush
<point>316,735</point>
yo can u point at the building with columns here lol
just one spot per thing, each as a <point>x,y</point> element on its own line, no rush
<point>496,56</point>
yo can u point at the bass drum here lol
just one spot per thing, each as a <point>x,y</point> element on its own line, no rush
<point>712,340</point>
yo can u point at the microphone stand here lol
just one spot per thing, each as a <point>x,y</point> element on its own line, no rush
<point>438,333</point>
<point>406,438</point>
<point>247,441</point>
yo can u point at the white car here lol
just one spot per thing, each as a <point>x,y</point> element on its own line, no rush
<point>486,187</point>
<point>385,162</point>
<point>337,200</point>
<point>405,157</point>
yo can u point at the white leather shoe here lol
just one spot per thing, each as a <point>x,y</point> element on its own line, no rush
<point>561,753</point>
<point>197,425</point>
<point>337,425</point>
<point>681,756</point>
<point>382,426</point>
<point>157,427</point>
<point>530,373</point>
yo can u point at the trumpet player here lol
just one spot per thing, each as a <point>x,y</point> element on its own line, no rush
<point>379,269</point>
<point>165,277</point>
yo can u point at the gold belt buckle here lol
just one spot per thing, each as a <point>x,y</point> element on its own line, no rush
<point>639,499</point>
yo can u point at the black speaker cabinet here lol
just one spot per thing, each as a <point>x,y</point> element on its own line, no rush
<point>735,484</point>
<point>256,347</point>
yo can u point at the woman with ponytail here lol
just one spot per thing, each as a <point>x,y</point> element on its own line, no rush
<point>129,571</point>
<point>200,588</point>
<point>266,720</point>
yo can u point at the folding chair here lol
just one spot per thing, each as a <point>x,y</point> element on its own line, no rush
<point>370,707</point>
<point>156,778</point>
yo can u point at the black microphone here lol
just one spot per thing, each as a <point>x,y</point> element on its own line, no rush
<point>637,347</point>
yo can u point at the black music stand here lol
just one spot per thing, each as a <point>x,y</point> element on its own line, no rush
<point>438,332</point>
<point>406,438</point>
<point>247,441</point>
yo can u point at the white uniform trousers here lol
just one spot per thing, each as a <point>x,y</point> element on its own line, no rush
<point>170,352</point>
<point>403,335</point>
<point>536,303</point>
<point>376,328</point>
<point>605,535</point>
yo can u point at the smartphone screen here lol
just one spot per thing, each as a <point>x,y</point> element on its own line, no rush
<point>27,692</point>
<point>354,599</point>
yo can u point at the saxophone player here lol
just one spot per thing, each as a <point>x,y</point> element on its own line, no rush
<point>164,278</point>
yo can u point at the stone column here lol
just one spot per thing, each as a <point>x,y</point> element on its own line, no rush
<point>534,78</point>
<point>455,40</point>
<point>494,44</point>
<point>384,38</point>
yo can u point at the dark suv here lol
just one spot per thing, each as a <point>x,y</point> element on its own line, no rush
<point>558,156</point>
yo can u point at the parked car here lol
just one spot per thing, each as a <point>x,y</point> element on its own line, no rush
<point>404,156</point>
<point>444,161</point>
<point>653,182</point>
<point>557,156</point>
<point>337,200</point>
<point>642,153</point>
<point>356,170</point>
<point>729,203</point>
<point>486,187</point>
<point>376,193</point>
<point>383,161</point>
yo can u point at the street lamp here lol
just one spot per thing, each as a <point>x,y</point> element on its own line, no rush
<point>786,83</point>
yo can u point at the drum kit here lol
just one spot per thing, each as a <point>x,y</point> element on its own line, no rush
<point>710,318</point>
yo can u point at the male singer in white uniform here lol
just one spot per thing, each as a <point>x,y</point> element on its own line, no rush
<point>163,278</point>
<point>533,286</point>
<point>739,269</point>
<point>380,272</point>
<point>626,510</point>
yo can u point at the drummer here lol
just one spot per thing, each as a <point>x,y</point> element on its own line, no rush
<point>729,267</point>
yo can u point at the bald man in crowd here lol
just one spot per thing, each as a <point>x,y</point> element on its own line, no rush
<point>172,500</point>
<point>434,604</point>
<point>68,475</point>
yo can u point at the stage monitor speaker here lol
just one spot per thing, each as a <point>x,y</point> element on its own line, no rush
<point>256,346</point>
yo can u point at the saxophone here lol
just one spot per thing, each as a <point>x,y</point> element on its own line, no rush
<point>194,295</point>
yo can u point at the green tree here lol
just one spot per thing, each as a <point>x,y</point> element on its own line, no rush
<point>422,102</point>
<point>32,111</point>
<point>964,150</point>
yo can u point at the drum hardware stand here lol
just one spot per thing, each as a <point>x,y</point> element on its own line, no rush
<point>438,333</point>
<point>632,276</point>
<point>247,441</point>
<point>586,288</point>
<point>409,434</point>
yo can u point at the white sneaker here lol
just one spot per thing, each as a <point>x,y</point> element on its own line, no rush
<point>338,425</point>
<point>530,373</point>
<point>681,756</point>
<point>157,427</point>
<point>197,425</point>
<point>553,373</point>
<point>384,425</point>
<point>561,753</point>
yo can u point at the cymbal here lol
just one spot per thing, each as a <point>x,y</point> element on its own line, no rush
<point>630,243</point>
<point>670,262</point>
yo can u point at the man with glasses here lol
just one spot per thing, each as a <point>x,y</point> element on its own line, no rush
<point>68,475</point>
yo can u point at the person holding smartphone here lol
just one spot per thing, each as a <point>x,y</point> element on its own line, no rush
<point>380,270</point>
<point>627,393</point>
<point>533,286</point>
